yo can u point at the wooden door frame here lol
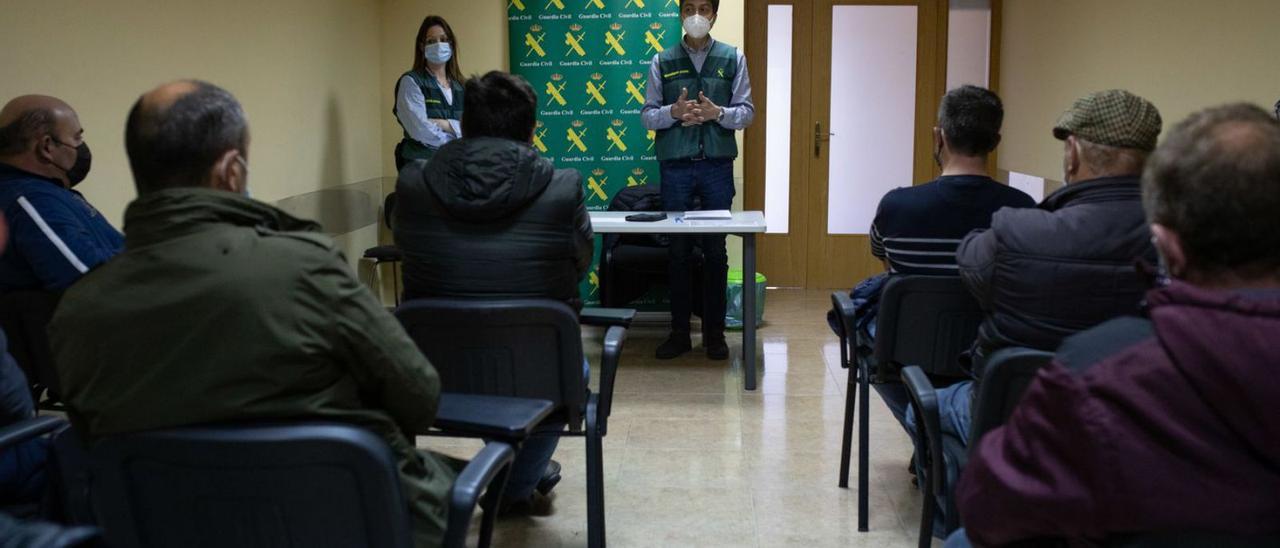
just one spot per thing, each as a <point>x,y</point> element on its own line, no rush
<point>803,62</point>
<point>777,249</point>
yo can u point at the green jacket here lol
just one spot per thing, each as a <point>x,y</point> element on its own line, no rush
<point>679,142</point>
<point>222,308</point>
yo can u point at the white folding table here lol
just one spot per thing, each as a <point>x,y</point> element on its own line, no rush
<point>744,224</point>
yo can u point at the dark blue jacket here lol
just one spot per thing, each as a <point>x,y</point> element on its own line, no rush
<point>55,236</point>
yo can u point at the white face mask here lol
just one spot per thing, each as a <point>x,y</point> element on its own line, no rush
<point>697,26</point>
<point>438,53</point>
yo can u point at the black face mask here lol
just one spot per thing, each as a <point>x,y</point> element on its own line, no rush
<point>80,169</point>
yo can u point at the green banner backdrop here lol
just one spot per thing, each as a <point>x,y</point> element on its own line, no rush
<point>589,62</point>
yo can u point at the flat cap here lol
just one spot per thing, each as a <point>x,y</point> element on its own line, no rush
<point>1113,117</point>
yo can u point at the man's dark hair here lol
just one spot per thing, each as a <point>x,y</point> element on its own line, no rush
<point>29,126</point>
<point>715,5</point>
<point>970,119</point>
<point>499,105</point>
<point>1215,181</point>
<point>176,146</point>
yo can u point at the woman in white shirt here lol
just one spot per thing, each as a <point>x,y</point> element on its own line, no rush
<point>429,97</point>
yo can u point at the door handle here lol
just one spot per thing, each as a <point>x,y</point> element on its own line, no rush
<point>818,137</point>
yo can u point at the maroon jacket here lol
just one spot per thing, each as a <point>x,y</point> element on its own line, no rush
<point>1179,430</point>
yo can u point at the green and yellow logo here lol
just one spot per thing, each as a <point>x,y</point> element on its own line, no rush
<point>538,135</point>
<point>652,135</point>
<point>673,4</point>
<point>720,72</point>
<point>574,135</point>
<point>614,41</point>
<point>559,4</point>
<point>636,3</point>
<point>595,90</point>
<point>594,280</point>
<point>599,4</point>
<point>637,178</point>
<point>615,135</point>
<point>596,183</point>
<point>635,89</point>
<point>555,90</point>
<point>573,38</point>
<point>535,42</point>
<point>654,40</point>
<point>517,4</point>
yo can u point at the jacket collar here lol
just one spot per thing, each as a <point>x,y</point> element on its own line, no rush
<point>173,213</point>
<point>1105,189</point>
<point>1180,293</point>
<point>8,172</point>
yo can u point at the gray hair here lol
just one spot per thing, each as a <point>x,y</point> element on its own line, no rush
<point>1215,181</point>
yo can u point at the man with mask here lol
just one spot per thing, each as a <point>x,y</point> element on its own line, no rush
<point>1165,423</point>
<point>1042,274</point>
<point>697,95</point>
<point>222,308</point>
<point>56,236</point>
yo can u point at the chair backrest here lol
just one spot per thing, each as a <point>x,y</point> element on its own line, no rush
<point>528,348</point>
<point>24,315</point>
<point>1005,377</point>
<point>927,321</point>
<point>312,484</point>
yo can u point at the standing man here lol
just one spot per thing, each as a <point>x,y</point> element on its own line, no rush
<point>697,95</point>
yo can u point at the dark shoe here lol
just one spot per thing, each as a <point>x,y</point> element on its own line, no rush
<point>549,478</point>
<point>716,348</point>
<point>675,345</point>
<point>533,505</point>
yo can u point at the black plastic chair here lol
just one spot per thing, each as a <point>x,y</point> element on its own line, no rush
<point>24,316</point>
<point>929,452</point>
<point>1005,377</point>
<point>925,321</point>
<point>528,348</point>
<point>15,527</point>
<point>294,484</point>
<point>388,253</point>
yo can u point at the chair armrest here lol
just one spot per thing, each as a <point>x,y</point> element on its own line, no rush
<point>610,354</point>
<point>471,483</point>
<point>843,307</point>
<point>32,428</point>
<point>499,417</point>
<point>928,423</point>
<point>607,317</point>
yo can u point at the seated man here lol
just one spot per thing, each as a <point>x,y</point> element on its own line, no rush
<point>1168,423</point>
<point>1044,273</point>
<point>56,235</point>
<point>490,218</point>
<point>916,229</point>
<point>222,308</point>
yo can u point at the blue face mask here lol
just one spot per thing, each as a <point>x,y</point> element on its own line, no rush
<point>438,53</point>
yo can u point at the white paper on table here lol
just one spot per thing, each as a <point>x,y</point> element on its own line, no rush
<point>708,215</point>
<point>1032,185</point>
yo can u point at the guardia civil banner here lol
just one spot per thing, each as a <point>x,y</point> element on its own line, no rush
<point>589,62</point>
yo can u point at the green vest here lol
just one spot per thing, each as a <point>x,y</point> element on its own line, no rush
<point>437,107</point>
<point>716,81</point>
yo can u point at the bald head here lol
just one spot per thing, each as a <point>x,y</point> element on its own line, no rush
<point>186,134</point>
<point>28,118</point>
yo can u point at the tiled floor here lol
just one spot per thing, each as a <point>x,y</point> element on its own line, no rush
<point>693,460</point>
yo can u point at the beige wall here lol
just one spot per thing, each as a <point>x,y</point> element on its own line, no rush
<point>1182,55</point>
<point>481,28</point>
<point>305,71</point>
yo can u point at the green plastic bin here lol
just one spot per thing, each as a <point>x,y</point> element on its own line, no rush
<point>733,300</point>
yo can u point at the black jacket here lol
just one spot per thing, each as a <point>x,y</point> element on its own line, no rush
<point>1044,273</point>
<point>489,218</point>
